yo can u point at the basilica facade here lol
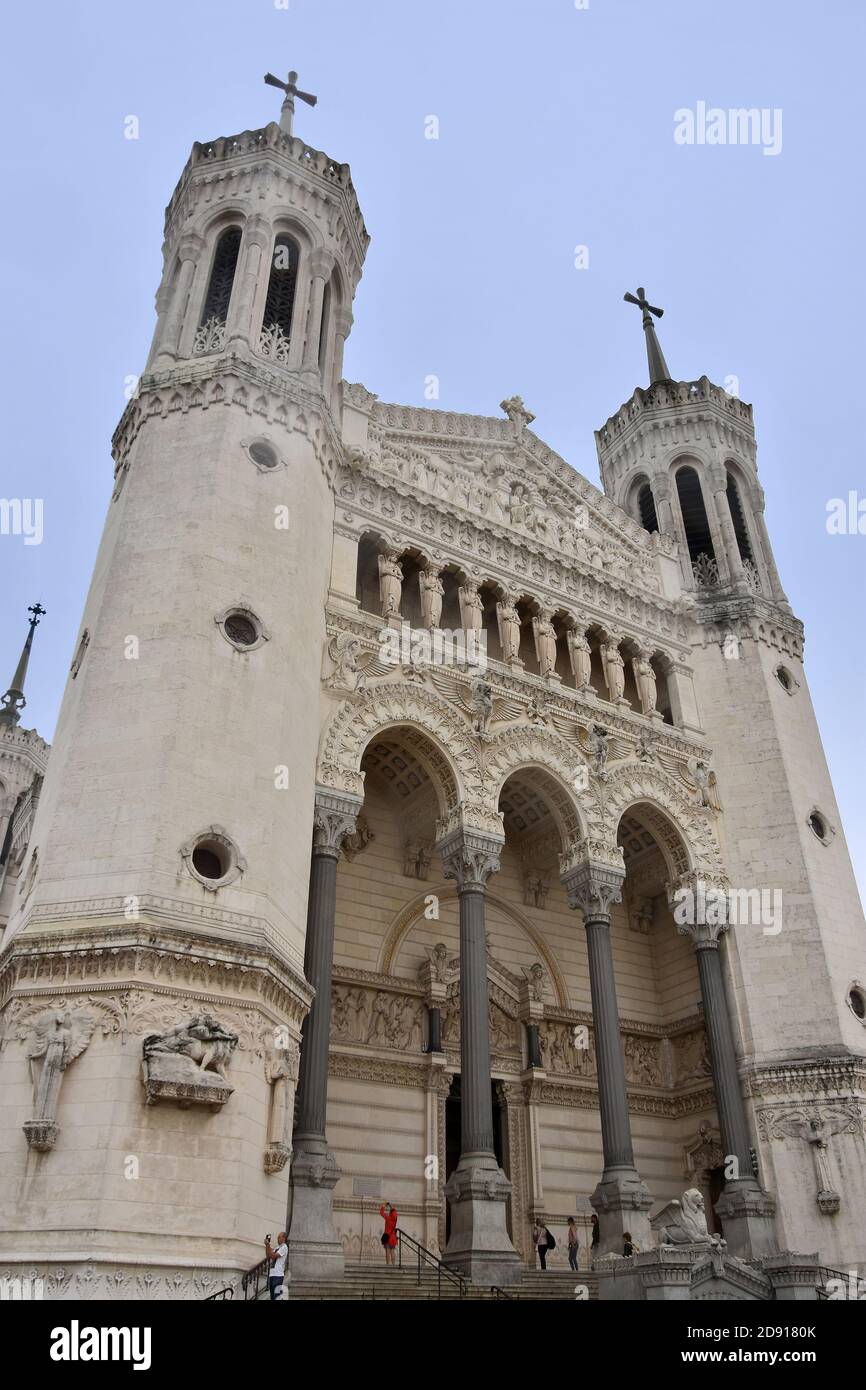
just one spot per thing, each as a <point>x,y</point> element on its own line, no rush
<point>423,824</point>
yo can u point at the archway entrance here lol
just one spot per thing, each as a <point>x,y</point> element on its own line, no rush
<point>453,1135</point>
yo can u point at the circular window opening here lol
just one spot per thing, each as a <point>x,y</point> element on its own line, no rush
<point>785,679</point>
<point>209,860</point>
<point>857,1000</point>
<point>818,825</point>
<point>263,454</point>
<point>241,630</point>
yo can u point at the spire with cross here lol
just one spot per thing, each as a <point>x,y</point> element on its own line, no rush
<point>291,90</point>
<point>658,367</point>
<point>13,701</point>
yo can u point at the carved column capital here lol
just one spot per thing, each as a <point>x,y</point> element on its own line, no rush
<point>334,817</point>
<point>470,856</point>
<point>699,903</point>
<point>592,874</point>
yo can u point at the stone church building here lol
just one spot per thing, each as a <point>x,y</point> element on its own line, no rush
<point>422,825</point>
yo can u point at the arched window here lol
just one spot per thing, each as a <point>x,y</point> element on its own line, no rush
<point>280,303</point>
<point>697,527</point>
<point>739,520</point>
<point>211,331</point>
<point>646,508</point>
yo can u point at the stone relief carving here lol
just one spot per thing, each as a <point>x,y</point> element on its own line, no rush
<point>417,858</point>
<point>380,1019</point>
<point>691,1057</point>
<point>642,1063</point>
<point>188,1064</point>
<point>814,1125</point>
<point>535,889</point>
<point>54,1039</point>
<point>359,839</point>
<point>281,1066</point>
<point>561,1049</point>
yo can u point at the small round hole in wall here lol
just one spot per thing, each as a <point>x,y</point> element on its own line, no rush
<point>240,629</point>
<point>857,1002</point>
<point>818,826</point>
<point>785,679</point>
<point>264,455</point>
<point>213,858</point>
<point>209,861</point>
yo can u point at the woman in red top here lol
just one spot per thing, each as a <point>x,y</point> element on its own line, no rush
<point>389,1235</point>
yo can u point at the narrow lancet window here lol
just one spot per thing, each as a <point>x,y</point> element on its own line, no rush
<point>212,326</point>
<point>280,303</point>
<point>647,508</point>
<point>697,528</point>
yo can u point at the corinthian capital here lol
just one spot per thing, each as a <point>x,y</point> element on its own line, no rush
<point>335,816</point>
<point>470,856</point>
<point>592,874</point>
<point>700,905</point>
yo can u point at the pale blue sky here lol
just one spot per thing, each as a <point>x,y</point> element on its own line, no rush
<point>556,129</point>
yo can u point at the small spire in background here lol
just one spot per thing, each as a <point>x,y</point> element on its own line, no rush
<point>13,701</point>
<point>287,111</point>
<point>658,367</point>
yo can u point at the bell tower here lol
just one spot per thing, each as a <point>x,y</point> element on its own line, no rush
<point>680,457</point>
<point>170,855</point>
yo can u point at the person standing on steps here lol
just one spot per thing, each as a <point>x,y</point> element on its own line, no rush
<point>573,1244</point>
<point>389,1235</point>
<point>277,1260</point>
<point>593,1246</point>
<point>543,1241</point>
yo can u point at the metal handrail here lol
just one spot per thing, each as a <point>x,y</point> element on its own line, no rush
<point>227,1292</point>
<point>427,1257</point>
<point>255,1280</point>
<point>497,1292</point>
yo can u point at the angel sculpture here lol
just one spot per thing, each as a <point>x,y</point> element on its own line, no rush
<point>705,781</point>
<point>599,743</point>
<point>482,704</point>
<point>351,665</point>
<point>54,1039</point>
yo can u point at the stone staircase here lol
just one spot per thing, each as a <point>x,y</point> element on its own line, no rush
<point>380,1284</point>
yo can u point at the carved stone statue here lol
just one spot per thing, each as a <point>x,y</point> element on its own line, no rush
<point>641,915</point>
<point>509,628</point>
<point>646,746</point>
<point>645,679</point>
<point>189,1062</point>
<point>482,705</point>
<point>614,670</point>
<point>535,976</point>
<point>390,583</point>
<point>439,961</point>
<point>417,857</point>
<point>535,890</point>
<point>580,654</point>
<point>281,1074</point>
<point>471,607</point>
<point>685,1222</point>
<point>432,590</point>
<point>343,651</point>
<point>545,642</point>
<point>359,839</point>
<point>599,744</point>
<point>705,781</point>
<point>54,1039</point>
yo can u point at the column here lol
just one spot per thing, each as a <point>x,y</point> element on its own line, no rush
<point>766,547</point>
<point>661,491</point>
<point>719,484</point>
<point>745,1211</point>
<point>314,1248</point>
<point>321,265</point>
<point>621,1199</point>
<point>479,1245</point>
<point>258,238</point>
<point>191,248</point>
<point>342,328</point>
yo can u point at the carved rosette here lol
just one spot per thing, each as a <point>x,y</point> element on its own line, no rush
<point>470,857</point>
<point>334,818</point>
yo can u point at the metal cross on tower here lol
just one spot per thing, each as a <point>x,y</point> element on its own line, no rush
<point>13,701</point>
<point>287,111</point>
<point>658,367</point>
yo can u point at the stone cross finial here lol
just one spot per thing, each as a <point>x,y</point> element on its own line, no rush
<point>516,411</point>
<point>291,90</point>
<point>658,367</point>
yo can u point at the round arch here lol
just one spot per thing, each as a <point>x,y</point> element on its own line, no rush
<point>684,834</point>
<point>574,801</point>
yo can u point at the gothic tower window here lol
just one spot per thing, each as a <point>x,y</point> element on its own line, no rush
<point>697,527</point>
<point>280,303</point>
<point>211,330</point>
<point>739,520</point>
<point>323,326</point>
<point>647,508</point>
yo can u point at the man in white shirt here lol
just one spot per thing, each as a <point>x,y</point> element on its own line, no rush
<point>277,1259</point>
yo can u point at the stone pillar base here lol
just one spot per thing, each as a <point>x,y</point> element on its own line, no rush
<point>622,1201</point>
<point>315,1251</point>
<point>747,1217</point>
<point>479,1246</point>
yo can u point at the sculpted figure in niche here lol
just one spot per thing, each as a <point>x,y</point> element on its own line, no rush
<point>581,657</point>
<point>482,704</point>
<point>432,589</point>
<point>614,670</point>
<point>471,607</point>
<point>545,642</point>
<point>390,583</point>
<point>599,744</point>
<point>343,651</point>
<point>439,960</point>
<point>509,628</point>
<point>646,746</point>
<point>645,679</point>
